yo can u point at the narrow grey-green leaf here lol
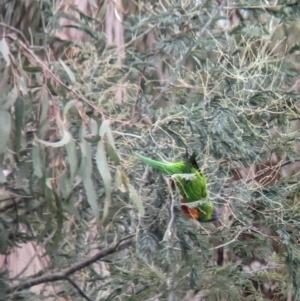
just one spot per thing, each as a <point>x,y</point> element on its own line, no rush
<point>32,69</point>
<point>91,195</point>
<point>103,168</point>
<point>43,128</point>
<point>49,183</point>
<point>86,169</point>
<point>118,179</point>
<point>72,158</point>
<point>59,225</point>
<point>11,98</point>
<point>64,184</point>
<point>92,138</point>
<point>68,71</point>
<point>36,159</point>
<point>122,181</point>
<point>22,84</point>
<point>45,105</point>
<point>111,153</point>
<point>105,129</point>
<point>64,140</point>
<point>19,111</point>
<point>5,126</point>
<point>44,121</point>
<point>2,173</point>
<point>4,49</point>
<point>4,90</point>
<point>85,147</point>
<point>95,124</point>
<point>68,106</point>
<point>66,136</point>
<point>2,176</point>
<point>136,199</point>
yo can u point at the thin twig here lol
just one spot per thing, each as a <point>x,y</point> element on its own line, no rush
<point>80,291</point>
<point>229,242</point>
<point>168,231</point>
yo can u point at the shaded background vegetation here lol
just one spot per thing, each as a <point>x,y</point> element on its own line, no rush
<point>84,85</point>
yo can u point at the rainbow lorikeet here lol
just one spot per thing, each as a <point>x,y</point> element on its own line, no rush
<point>191,190</point>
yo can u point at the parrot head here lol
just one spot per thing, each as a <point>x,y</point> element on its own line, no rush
<point>209,216</point>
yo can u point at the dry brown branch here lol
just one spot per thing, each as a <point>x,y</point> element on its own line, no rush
<point>64,274</point>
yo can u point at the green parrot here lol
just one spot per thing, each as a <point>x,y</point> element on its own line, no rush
<point>190,190</point>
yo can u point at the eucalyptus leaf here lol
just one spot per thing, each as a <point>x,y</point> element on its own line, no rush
<point>91,195</point>
<point>19,114</point>
<point>2,177</point>
<point>103,168</point>
<point>105,129</point>
<point>44,122</point>
<point>5,126</point>
<point>2,171</point>
<point>68,71</point>
<point>64,185</point>
<point>86,170</point>
<point>49,183</point>
<point>72,158</point>
<point>59,225</point>
<point>136,200</point>
<point>4,49</point>
<point>92,138</point>
<point>111,153</point>
<point>23,85</point>
<point>11,98</point>
<point>36,160</point>
<point>68,106</point>
<point>32,69</point>
<point>66,138</point>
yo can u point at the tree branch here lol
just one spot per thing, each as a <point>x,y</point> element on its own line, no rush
<point>64,274</point>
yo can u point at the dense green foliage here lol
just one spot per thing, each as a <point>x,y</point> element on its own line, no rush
<point>226,95</point>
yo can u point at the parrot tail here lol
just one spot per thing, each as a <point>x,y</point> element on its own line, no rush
<point>169,168</point>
